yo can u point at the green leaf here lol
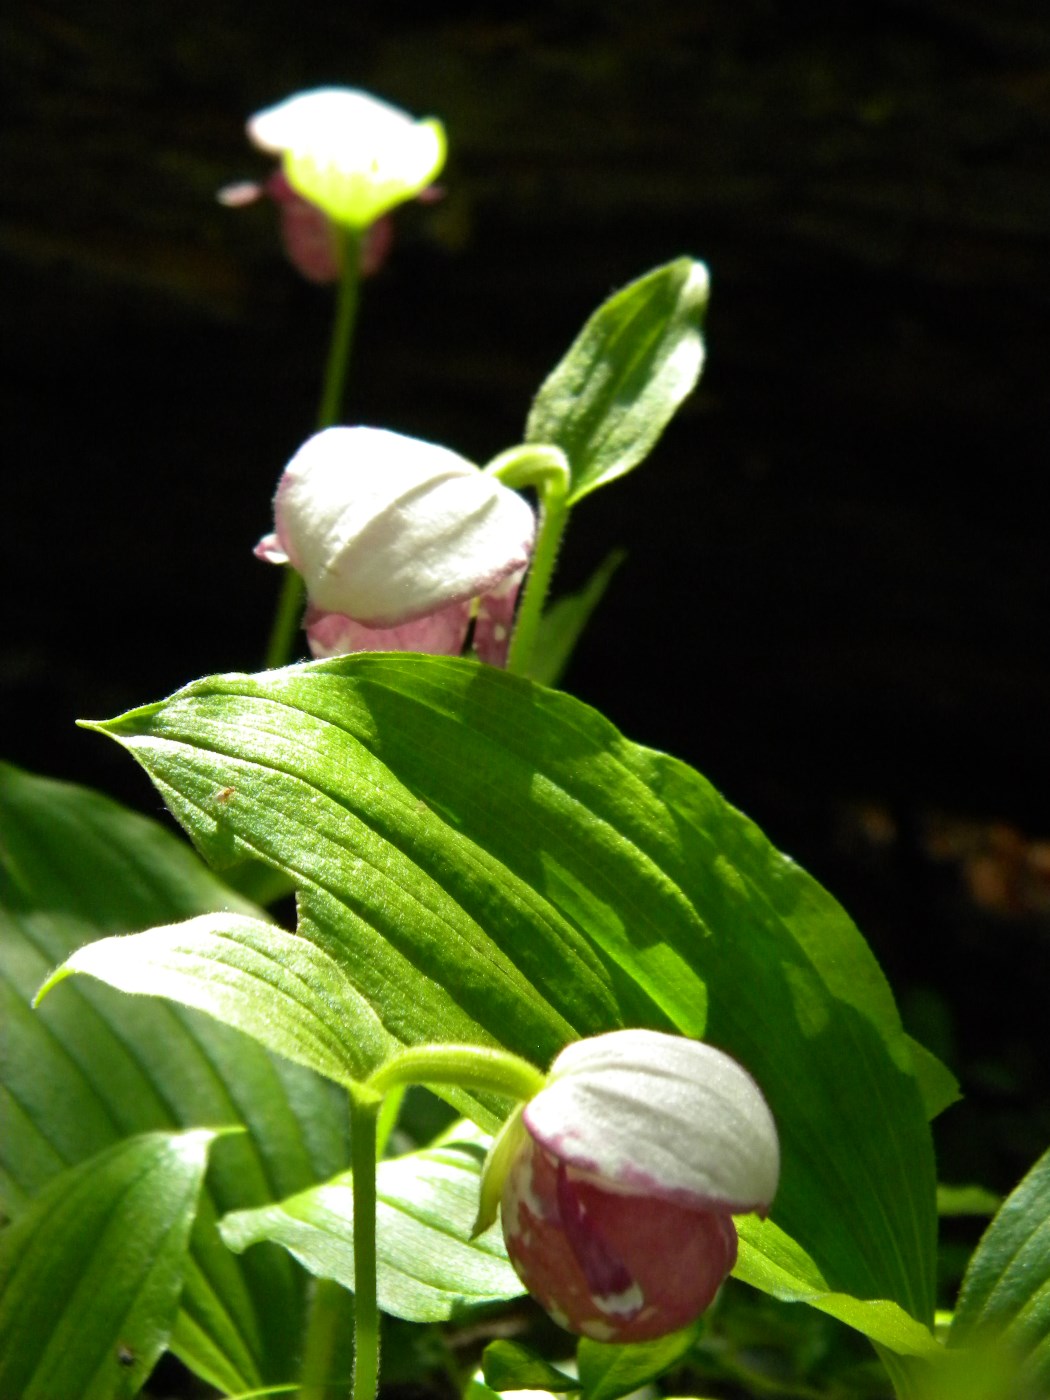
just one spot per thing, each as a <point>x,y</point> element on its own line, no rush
<point>770,1260</point>
<point>607,402</point>
<point>966,1200</point>
<point>609,1370</point>
<point>276,987</point>
<point>565,619</point>
<point>491,862</point>
<point>511,1366</point>
<point>92,1066</point>
<point>92,1270</point>
<point>429,1269</point>
<point>1005,1294</point>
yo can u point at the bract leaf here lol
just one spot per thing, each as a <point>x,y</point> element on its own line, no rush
<point>607,402</point>
<point>92,1270</point>
<point>428,1267</point>
<point>511,1366</point>
<point>1005,1295</point>
<point>93,1066</point>
<point>609,1370</point>
<point>491,862</point>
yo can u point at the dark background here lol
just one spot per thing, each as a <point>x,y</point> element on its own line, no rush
<point>835,601</point>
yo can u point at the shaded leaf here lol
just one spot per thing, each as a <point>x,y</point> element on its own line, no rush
<point>609,1370</point>
<point>93,1066</point>
<point>1005,1295</point>
<point>428,1267</point>
<point>607,402</point>
<point>92,1270</point>
<point>564,621</point>
<point>511,1366</point>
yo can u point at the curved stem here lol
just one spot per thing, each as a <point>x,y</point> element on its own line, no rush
<point>554,516</point>
<point>292,595</point>
<point>465,1066</point>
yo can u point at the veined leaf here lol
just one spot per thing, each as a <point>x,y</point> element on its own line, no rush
<point>609,1370</point>
<point>92,1066</point>
<point>92,1270</point>
<point>607,402</point>
<point>493,862</point>
<point>1005,1295</point>
<point>428,1267</point>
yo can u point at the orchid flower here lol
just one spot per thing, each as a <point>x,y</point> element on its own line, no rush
<point>618,1182</point>
<point>399,542</point>
<point>347,159</point>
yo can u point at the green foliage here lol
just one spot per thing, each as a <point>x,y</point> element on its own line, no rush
<point>92,1270</point>
<point>640,354</point>
<point>490,862</point>
<point>1005,1296</point>
<point>92,1067</point>
<point>429,1269</point>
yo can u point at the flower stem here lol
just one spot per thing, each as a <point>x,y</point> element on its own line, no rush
<point>364,1113</point>
<point>466,1066</point>
<point>554,516</point>
<point>292,595</point>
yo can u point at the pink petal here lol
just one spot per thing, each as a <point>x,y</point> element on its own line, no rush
<point>441,633</point>
<point>492,629</point>
<point>610,1265</point>
<point>306,232</point>
<point>270,550</point>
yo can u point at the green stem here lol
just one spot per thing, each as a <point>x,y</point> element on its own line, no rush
<point>364,1113</point>
<point>292,595</point>
<point>465,1066</point>
<point>554,516</point>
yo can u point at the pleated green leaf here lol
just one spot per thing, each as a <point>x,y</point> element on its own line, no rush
<point>1005,1295</point>
<point>91,1272</point>
<point>428,1267</point>
<point>492,862</point>
<point>607,402</point>
<point>93,1066</point>
<point>276,987</point>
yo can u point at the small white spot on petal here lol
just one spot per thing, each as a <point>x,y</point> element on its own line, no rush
<point>499,632</point>
<point>627,1303</point>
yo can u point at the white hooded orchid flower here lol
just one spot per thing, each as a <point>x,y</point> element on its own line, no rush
<point>399,541</point>
<point>351,155</point>
<point>621,1177</point>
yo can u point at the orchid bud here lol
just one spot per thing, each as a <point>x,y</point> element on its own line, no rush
<point>398,541</point>
<point>622,1177</point>
<point>351,155</point>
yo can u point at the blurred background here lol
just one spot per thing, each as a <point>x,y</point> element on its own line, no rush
<point>835,597</point>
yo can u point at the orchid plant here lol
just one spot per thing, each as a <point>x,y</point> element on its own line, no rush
<point>664,1061</point>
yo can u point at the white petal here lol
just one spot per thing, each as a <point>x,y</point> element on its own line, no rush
<point>387,529</point>
<point>327,123</point>
<point>643,1110</point>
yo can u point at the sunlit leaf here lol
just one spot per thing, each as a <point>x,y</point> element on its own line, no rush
<point>276,987</point>
<point>607,402</point>
<point>493,862</point>
<point>429,1269</point>
<point>92,1270</point>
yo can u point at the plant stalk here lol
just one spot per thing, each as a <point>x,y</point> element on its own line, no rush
<point>292,595</point>
<point>554,516</point>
